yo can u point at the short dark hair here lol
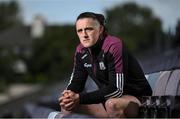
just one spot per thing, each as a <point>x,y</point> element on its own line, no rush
<point>99,17</point>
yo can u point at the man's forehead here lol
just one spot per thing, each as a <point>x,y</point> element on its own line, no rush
<point>86,26</point>
<point>88,21</point>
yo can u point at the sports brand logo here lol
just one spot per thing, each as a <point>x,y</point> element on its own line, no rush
<point>83,56</point>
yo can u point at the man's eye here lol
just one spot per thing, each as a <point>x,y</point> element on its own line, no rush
<point>80,30</point>
<point>89,29</point>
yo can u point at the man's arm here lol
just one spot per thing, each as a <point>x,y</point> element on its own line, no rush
<point>78,76</point>
<point>70,96</point>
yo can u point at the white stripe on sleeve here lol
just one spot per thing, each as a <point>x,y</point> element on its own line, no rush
<point>119,85</point>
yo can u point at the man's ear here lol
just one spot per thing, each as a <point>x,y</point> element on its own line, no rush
<point>101,29</point>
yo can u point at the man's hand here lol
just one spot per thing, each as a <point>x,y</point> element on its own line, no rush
<point>69,100</point>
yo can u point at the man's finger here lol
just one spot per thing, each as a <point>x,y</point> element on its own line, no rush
<point>67,100</point>
<point>62,104</point>
<point>66,91</point>
<point>61,98</point>
<point>69,106</point>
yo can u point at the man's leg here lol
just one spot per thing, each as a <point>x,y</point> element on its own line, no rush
<point>126,106</point>
<point>94,110</point>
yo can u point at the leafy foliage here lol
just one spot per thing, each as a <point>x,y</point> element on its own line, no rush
<point>6,72</point>
<point>53,53</point>
<point>9,14</point>
<point>136,25</point>
<point>176,42</point>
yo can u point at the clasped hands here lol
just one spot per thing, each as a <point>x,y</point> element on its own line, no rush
<point>69,100</point>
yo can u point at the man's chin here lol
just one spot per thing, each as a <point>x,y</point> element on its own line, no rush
<point>86,45</point>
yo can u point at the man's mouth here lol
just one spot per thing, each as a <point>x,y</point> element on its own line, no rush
<point>86,40</point>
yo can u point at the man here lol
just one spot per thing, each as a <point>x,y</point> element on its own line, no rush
<point>116,72</point>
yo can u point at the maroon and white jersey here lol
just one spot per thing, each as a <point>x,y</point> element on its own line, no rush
<point>112,68</point>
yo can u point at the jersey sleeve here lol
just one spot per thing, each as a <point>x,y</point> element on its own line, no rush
<point>78,76</point>
<point>115,72</point>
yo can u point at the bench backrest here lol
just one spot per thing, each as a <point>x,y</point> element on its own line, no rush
<point>168,83</point>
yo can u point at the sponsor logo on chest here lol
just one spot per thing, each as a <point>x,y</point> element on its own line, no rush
<point>87,65</point>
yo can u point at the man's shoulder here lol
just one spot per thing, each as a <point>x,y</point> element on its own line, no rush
<point>112,41</point>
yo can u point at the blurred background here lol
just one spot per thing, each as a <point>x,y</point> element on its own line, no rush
<point>38,40</point>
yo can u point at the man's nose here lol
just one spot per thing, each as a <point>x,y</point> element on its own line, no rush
<point>85,34</point>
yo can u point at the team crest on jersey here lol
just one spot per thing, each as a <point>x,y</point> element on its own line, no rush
<point>102,66</point>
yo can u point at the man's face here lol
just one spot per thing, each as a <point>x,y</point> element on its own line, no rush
<point>88,31</point>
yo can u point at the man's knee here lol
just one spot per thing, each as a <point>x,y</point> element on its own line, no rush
<point>113,108</point>
<point>126,106</point>
<point>111,105</point>
<point>116,103</point>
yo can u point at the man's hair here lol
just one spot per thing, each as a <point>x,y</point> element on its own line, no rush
<point>99,17</point>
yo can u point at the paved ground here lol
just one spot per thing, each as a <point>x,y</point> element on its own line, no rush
<point>18,95</point>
